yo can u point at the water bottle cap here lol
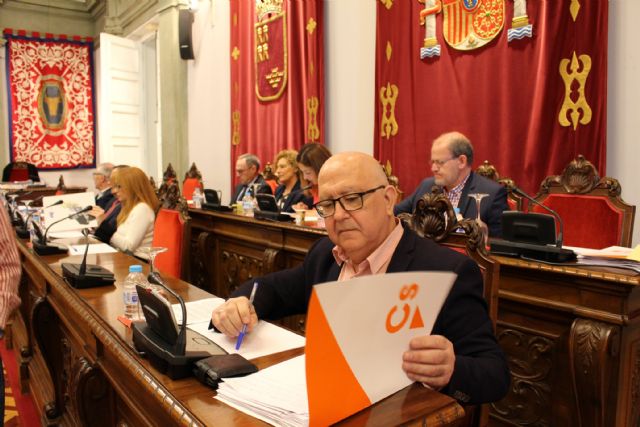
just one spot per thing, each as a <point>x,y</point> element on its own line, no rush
<point>136,268</point>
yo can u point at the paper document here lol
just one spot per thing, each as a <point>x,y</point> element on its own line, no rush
<point>266,338</point>
<point>358,330</point>
<point>610,252</point>
<point>276,395</point>
<point>197,311</point>
<point>94,248</point>
<point>71,203</point>
<point>65,234</point>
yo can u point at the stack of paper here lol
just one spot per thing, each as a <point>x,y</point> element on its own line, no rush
<point>613,256</point>
<point>276,395</point>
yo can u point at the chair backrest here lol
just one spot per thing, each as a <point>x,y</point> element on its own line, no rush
<point>61,188</point>
<point>393,180</point>
<point>593,213</point>
<point>434,218</point>
<point>169,174</point>
<point>20,171</point>
<point>171,230</point>
<point>489,171</point>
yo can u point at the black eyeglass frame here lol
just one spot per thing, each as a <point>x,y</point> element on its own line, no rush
<point>339,200</point>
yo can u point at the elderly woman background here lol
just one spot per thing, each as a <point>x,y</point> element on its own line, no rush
<point>137,215</point>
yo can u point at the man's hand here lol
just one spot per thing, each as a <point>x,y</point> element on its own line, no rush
<point>98,213</point>
<point>229,317</point>
<point>429,360</point>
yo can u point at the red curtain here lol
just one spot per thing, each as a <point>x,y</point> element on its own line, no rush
<point>277,76</point>
<point>507,97</point>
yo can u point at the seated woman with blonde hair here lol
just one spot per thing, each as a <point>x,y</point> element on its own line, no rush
<point>137,215</point>
<point>289,191</point>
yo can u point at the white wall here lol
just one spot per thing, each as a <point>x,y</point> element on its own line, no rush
<point>623,124</point>
<point>209,96</point>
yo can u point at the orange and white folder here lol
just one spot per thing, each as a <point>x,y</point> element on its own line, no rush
<point>357,331</point>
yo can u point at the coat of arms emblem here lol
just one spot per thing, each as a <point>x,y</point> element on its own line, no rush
<point>270,49</point>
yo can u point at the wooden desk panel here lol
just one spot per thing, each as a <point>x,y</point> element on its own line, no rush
<point>571,335</point>
<point>77,361</point>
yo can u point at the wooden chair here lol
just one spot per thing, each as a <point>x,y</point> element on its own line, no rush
<point>434,218</point>
<point>393,180</point>
<point>61,188</point>
<point>171,230</point>
<point>168,176</point>
<point>270,177</point>
<point>489,171</point>
<point>192,180</point>
<point>593,213</point>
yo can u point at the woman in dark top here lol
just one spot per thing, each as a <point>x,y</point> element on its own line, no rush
<point>288,192</point>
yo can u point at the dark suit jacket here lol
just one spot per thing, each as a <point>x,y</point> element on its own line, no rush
<point>263,189</point>
<point>480,374</point>
<point>491,207</point>
<point>295,196</point>
<point>108,225</point>
<point>105,200</point>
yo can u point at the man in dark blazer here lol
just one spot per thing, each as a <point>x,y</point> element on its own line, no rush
<point>461,357</point>
<point>248,172</point>
<point>451,160</point>
<point>102,182</point>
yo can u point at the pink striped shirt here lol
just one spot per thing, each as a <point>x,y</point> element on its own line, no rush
<point>10,269</point>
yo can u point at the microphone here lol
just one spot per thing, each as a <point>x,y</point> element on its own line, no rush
<point>23,230</point>
<point>41,248</point>
<point>83,276</point>
<point>181,343</point>
<point>560,234</point>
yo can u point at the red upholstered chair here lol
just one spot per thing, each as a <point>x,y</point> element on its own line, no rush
<point>593,213</point>
<point>434,218</point>
<point>171,230</point>
<point>192,180</point>
<point>20,171</point>
<point>489,171</point>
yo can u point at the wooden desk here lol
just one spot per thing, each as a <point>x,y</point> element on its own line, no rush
<point>571,335</point>
<point>33,193</point>
<point>78,363</point>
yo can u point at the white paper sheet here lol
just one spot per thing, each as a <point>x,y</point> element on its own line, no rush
<point>266,338</point>
<point>197,311</point>
<point>95,248</point>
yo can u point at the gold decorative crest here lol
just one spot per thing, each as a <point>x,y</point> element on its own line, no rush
<point>579,71</point>
<point>311,25</point>
<point>267,7</point>
<point>387,3</point>
<point>313,133</point>
<point>235,137</point>
<point>388,123</point>
<point>574,9</point>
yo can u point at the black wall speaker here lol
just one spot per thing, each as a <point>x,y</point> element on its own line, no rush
<point>185,19</point>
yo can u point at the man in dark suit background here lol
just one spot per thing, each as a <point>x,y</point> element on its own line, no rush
<point>248,172</point>
<point>108,219</point>
<point>451,160</point>
<point>461,357</point>
<point>102,182</point>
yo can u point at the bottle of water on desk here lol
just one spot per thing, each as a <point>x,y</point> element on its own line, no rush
<point>247,205</point>
<point>130,295</point>
<point>197,198</point>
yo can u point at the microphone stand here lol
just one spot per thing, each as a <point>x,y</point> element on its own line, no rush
<point>23,230</point>
<point>560,234</point>
<point>181,343</point>
<point>41,248</point>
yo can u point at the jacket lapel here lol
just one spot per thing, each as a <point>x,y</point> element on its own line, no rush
<point>469,188</point>
<point>403,255</point>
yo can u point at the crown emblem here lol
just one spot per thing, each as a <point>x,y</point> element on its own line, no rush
<point>268,7</point>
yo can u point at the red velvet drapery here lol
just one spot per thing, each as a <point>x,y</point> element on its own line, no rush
<point>507,97</point>
<point>277,77</point>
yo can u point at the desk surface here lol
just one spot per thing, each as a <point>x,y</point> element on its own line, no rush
<point>91,331</point>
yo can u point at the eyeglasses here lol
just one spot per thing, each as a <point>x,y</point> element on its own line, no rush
<point>441,163</point>
<point>349,202</point>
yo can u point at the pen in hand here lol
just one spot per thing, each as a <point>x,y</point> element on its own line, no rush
<point>244,327</point>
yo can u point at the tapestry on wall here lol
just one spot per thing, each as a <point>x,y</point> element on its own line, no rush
<point>277,76</point>
<point>524,80</point>
<point>51,100</point>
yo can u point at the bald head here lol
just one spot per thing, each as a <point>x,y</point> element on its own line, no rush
<point>360,201</point>
<point>353,167</point>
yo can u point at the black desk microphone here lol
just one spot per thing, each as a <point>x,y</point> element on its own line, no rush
<point>41,247</point>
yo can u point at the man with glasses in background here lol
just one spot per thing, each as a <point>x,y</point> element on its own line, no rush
<point>451,160</point>
<point>460,358</point>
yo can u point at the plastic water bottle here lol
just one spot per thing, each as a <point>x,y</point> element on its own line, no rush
<point>197,198</point>
<point>31,226</point>
<point>129,293</point>
<point>247,205</point>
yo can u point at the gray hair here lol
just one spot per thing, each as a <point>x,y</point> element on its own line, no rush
<point>251,160</point>
<point>105,170</point>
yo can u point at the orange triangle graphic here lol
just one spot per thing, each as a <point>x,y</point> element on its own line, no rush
<point>417,321</point>
<point>333,390</point>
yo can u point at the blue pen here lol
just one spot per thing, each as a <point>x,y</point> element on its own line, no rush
<point>244,327</point>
